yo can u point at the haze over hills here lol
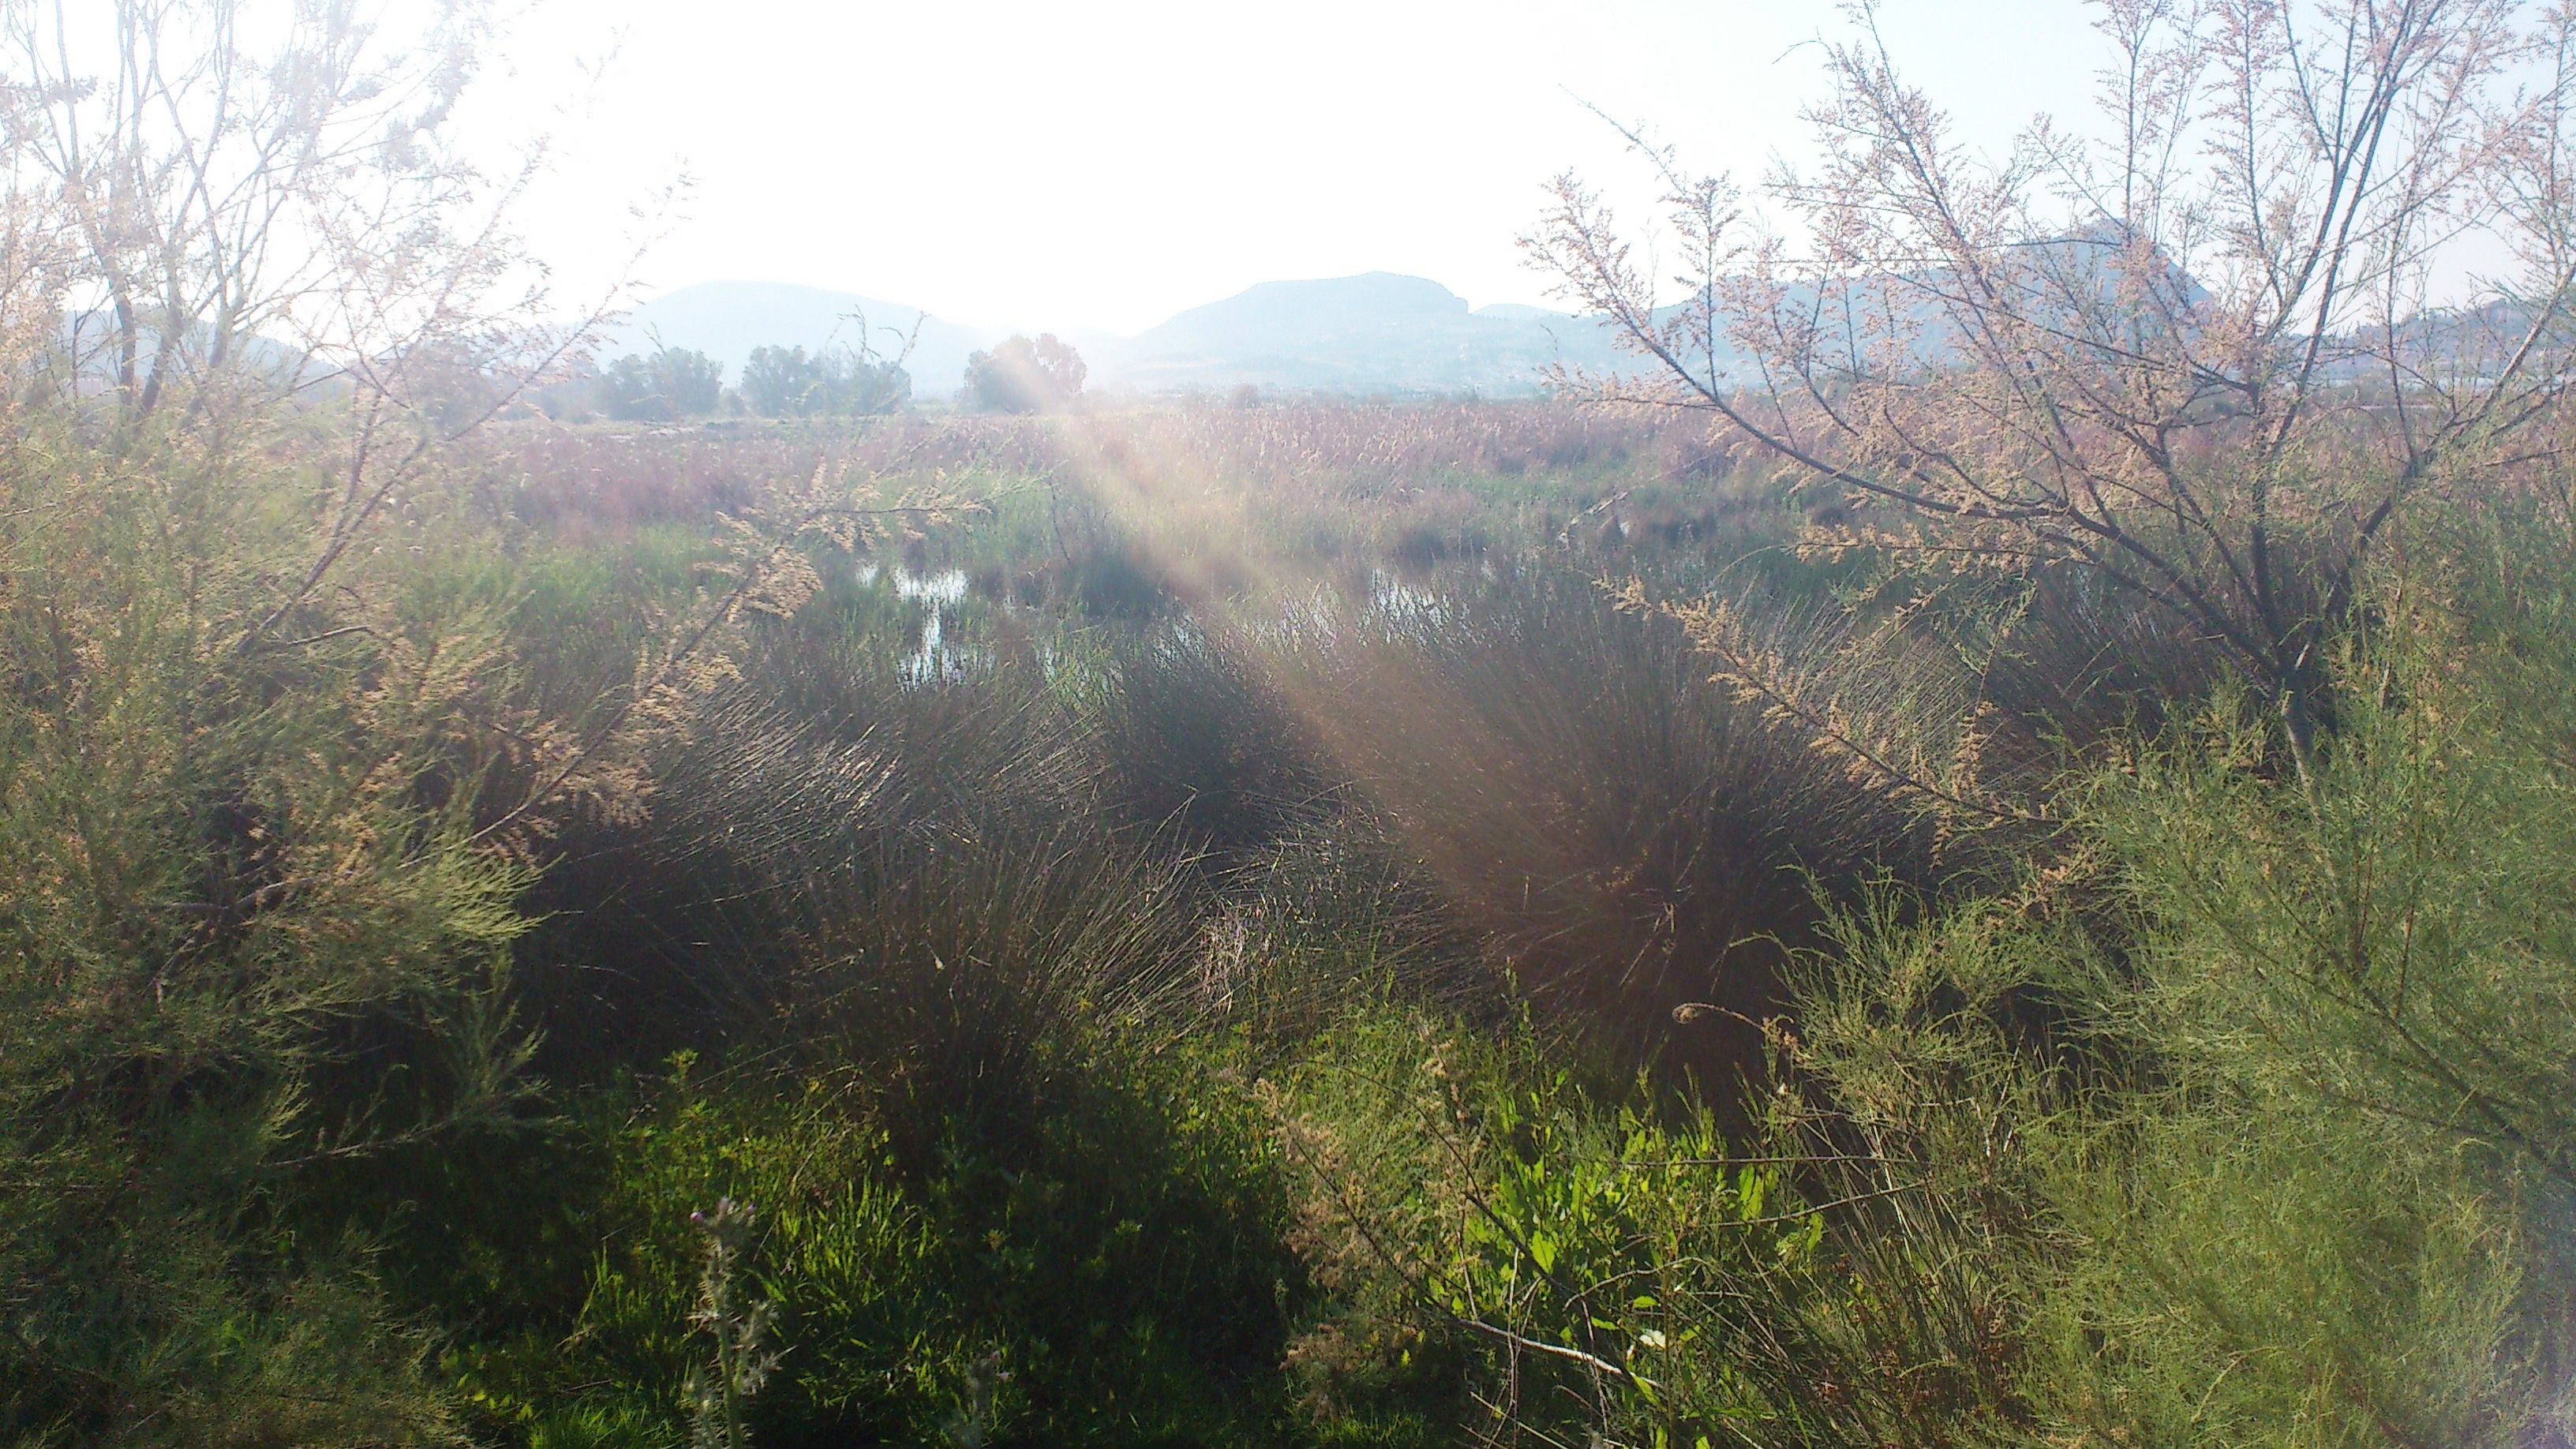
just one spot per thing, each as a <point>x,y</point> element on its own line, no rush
<point>1378,332</point>
<point>726,320</point>
<point>1375,332</point>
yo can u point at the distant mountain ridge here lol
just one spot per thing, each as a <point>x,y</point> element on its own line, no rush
<point>1379,332</point>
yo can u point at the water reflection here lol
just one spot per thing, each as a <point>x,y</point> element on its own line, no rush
<point>1379,595</point>
<point>938,595</point>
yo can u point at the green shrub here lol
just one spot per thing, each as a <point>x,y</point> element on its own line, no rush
<point>1507,1250</point>
<point>1116,1252</point>
<point>245,938</point>
<point>2258,1131</point>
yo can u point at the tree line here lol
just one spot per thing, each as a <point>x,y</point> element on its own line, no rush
<point>674,384</point>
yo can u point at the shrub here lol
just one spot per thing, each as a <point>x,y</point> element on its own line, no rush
<point>2280,1156</point>
<point>1116,1253</point>
<point>1572,1264</point>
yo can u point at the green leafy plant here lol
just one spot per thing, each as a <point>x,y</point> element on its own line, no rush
<point>1576,1259</point>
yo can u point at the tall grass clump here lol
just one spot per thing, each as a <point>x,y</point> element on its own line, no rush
<point>1623,837</point>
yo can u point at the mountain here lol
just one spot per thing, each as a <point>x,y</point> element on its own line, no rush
<point>1521,312</point>
<point>1379,332</point>
<point>726,320</point>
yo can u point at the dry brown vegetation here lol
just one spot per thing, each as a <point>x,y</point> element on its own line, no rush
<point>2201,350</point>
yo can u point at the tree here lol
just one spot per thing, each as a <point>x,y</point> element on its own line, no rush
<point>870,388</point>
<point>673,383</point>
<point>243,206</point>
<point>2199,353</point>
<point>266,188</point>
<point>1021,376</point>
<point>781,382</point>
<point>787,382</point>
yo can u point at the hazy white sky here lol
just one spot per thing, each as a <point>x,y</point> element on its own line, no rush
<point>1102,164</point>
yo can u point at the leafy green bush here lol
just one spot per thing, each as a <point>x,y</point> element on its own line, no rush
<point>1571,1262</point>
<point>2249,1125</point>
<point>1116,1253</point>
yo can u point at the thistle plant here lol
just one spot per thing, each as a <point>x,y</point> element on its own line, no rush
<point>717,1394</point>
<point>971,1427</point>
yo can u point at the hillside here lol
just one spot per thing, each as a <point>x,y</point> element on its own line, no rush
<point>1379,332</point>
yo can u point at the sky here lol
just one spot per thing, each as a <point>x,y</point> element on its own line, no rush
<point>1102,165</point>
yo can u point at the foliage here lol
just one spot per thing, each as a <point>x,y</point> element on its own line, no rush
<point>1111,1270</point>
<point>785,382</point>
<point>2285,1166</point>
<point>1020,376</point>
<point>671,384</point>
<point>980,961</point>
<point>1584,1258</point>
<point>1259,939</point>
